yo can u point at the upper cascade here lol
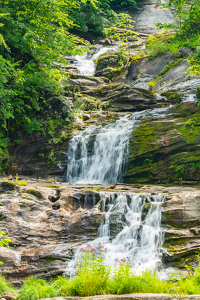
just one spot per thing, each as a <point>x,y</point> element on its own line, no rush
<point>99,154</point>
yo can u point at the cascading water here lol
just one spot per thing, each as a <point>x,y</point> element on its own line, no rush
<point>85,63</point>
<point>131,227</point>
<point>99,154</point>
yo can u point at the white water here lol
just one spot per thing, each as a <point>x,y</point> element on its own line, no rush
<point>140,239</point>
<point>99,154</point>
<point>85,63</point>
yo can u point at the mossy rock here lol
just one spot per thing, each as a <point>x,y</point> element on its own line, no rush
<point>198,92</point>
<point>111,59</point>
<point>166,150</point>
<point>35,193</point>
<point>173,97</point>
<point>7,186</point>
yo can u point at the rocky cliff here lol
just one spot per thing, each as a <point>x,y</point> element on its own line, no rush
<point>48,221</point>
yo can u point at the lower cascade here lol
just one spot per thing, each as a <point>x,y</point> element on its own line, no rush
<point>130,228</point>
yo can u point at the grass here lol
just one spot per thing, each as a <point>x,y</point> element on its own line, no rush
<point>6,287</point>
<point>94,278</point>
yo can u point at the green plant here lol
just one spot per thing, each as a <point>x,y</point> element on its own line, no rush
<point>22,182</point>
<point>5,286</point>
<point>4,242</point>
<point>153,82</point>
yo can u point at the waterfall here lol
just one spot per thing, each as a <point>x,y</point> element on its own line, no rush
<point>99,154</point>
<point>131,227</point>
<point>85,63</point>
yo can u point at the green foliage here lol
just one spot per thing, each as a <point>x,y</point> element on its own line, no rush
<point>6,287</point>
<point>186,28</point>
<point>4,242</point>
<point>94,278</point>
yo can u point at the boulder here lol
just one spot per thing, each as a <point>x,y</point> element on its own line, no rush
<point>54,196</point>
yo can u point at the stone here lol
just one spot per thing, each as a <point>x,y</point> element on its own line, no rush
<point>92,105</point>
<point>156,66</point>
<point>164,149</point>
<point>172,78</point>
<point>148,15</point>
<point>121,97</point>
<point>8,296</point>
<point>86,117</point>
<point>184,52</point>
<point>78,122</point>
<point>129,296</point>
<point>44,234</point>
<point>54,196</point>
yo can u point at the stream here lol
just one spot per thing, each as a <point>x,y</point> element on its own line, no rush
<point>131,226</point>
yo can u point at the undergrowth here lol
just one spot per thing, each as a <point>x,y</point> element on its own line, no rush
<point>168,41</point>
<point>6,287</point>
<point>94,278</point>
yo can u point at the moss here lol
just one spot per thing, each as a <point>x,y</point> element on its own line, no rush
<point>52,186</point>
<point>198,92</point>
<point>191,129</point>
<point>7,186</point>
<point>35,193</point>
<point>173,97</point>
<point>111,59</point>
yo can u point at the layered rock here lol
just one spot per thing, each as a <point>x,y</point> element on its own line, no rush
<point>48,222</point>
<point>45,223</point>
<point>166,149</point>
<point>121,97</point>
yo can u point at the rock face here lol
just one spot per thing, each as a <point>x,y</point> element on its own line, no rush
<point>166,149</point>
<point>45,224</point>
<point>148,15</point>
<point>121,97</point>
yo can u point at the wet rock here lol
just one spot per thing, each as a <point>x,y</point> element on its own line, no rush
<point>54,196</point>
<point>134,69</point>
<point>145,211</point>
<point>117,222</point>
<point>86,117</point>
<point>164,149</point>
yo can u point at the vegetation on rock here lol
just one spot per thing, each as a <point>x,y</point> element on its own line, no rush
<point>93,277</point>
